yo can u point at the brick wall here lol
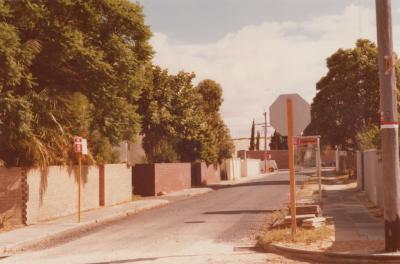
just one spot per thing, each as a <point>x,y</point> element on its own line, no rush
<point>115,184</point>
<point>143,179</point>
<point>152,179</point>
<point>12,195</point>
<point>170,177</point>
<point>52,192</point>
<point>204,175</point>
<point>281,156</point>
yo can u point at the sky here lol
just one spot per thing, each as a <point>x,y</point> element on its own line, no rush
<point>257,49</point>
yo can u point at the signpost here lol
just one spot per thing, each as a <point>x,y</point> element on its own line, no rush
<point>315,141</point>
<point>290,114</point>
<point>80,148</point>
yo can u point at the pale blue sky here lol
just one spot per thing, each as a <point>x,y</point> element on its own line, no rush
<point>206,20</point>
<point>258,49</point>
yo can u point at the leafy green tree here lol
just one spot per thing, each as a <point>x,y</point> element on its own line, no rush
<point>347,99</point>
<point>219,145</point>
<point>368,138</point>
<point>51,50</point>
<point>170,123</point>
<point>252,137</point>
<point>258,141</point>
<point>181,122</point>
<point>278,142</point>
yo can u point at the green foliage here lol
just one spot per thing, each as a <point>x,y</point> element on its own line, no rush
<point>252,137</point>
<point>216,141</point>
<point>368,138</point>
<point>278,141</point>
<point>258,141</point>
<point>69,68</point>
<point>347,99</point>
<point>181,122</point>
<point>81,68</point>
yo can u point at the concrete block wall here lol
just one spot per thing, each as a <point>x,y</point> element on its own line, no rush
<point>281,156</point>
<point>372,176</point>
<point>52,192</point>
<point>204,175</point>
<point>232,168</point>
<point>250,167</point>
<point>115,184</point>
<point>154,179</point>
<point>12,196</point>
<point>360,184</point>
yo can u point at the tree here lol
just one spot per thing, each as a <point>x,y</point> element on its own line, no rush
<point>221,147</point>
<point>347,100</point>
<point>278,142</point>
<point>368,138</point>
<point>181,122</point>
<point>51,50</point>
<point>252,137</point>
<point>258,141</point>
<point>170,122</point>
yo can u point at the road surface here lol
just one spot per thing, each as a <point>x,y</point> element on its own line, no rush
<point>212,228</point>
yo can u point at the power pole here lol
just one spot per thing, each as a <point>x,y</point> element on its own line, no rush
<point>265,131</point>
<point>265,141</point>
<point>389,125</point>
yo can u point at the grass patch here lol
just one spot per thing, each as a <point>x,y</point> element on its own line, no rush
<point>303,236</point>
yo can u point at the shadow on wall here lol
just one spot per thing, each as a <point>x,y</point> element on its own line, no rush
<point>73,171</point>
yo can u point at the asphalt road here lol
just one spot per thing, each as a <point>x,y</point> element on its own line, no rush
<point>212,228</point>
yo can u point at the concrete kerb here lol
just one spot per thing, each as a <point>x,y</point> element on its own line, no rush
<point>189,192</point>
<point>76,229</point>
<point>242,180</point>
<point>331,257</point>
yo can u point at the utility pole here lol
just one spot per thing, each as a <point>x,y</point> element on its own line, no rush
<point>265,131</point>
<point>265,141</point>
<point>389,125</point>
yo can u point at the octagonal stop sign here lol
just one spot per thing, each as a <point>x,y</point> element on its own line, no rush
<point>300,114</point>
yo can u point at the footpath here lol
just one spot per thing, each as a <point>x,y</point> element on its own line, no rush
<point>47,233</point>
<point>357,226</point>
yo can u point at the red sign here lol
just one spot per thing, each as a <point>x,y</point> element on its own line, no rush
<point>305,141</point>
<point>78,144</point>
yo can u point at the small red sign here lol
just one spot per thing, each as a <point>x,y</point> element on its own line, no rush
<point>78,144</point>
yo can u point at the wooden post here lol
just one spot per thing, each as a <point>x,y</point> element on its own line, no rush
<point>319,174</point>
<point>265,142</point>
<point>291,166</point>
<point>79,186</point>
<point>389,125</point>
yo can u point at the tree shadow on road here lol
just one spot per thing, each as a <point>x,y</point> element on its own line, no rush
<point>241,212</point>
<point>248,184</point>
<point>122,261</point>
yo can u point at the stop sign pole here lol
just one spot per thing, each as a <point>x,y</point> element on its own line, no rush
<point>290,114</point>
<point>291,164</point>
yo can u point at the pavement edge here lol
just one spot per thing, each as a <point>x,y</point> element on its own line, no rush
<point>49,239</point>
<point>330,257</point>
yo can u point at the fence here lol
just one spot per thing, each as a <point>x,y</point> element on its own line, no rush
<point>204,175</point>
<point>38,194</point>
<point>369,175</point>
<point>160,178</point>
<point>328,157</point>
<point>250,167</point>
